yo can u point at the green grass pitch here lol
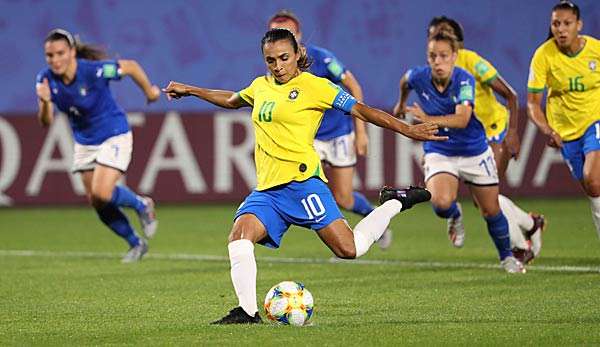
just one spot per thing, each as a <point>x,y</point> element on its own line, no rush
<point>61,283</point>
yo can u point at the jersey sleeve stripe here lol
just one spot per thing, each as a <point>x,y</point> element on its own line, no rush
<point>535,90</point>
<point>247,99</point>
<point>491,79</point>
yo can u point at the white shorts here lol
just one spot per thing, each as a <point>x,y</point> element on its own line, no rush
<point>479,170</point>
<point>115,152</point>
<point>337,152</point>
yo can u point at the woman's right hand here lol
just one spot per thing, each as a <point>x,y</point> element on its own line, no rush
<point>425,132</point>
<point>43,90</point>
<point>176,90</point>
<point>555,140</point>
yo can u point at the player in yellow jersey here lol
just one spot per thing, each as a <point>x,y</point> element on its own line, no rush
<point>568,66</point>
<point>502,135</point>
<point>340,137</point>
<point>288,106</point>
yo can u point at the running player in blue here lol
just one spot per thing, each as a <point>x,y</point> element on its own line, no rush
<point>446,97</point>
<point>500,125</point>
<point>340,137</point>
<point>287,108</point>
<point>77,82</point>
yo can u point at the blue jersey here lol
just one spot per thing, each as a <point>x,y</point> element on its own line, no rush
<point>87,100</point>
<point>469,141</point>
<point>335,123</point>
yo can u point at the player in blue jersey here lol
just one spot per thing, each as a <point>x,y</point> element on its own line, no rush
<point>77,82</point>
<point>446,97</point>
<point>340,137</point>
<point>500,125</point>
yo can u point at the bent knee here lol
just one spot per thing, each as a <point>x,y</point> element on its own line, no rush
<point>99,199</point>
<point>592,186</point>
<point>442,203</point>
<point>345,201</point>
<point>348,252</point>
<point>248,227</point>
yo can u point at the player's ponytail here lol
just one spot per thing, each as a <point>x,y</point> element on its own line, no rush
<point>279,34</point>
<point>84,50</point>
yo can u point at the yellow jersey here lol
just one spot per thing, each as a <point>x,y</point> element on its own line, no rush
<point>573,82</point>
<point>286,118</point>
<point>488,110</point>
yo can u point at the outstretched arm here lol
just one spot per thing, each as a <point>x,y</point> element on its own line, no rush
<point>505,90</point>
<point>222,98</point>
<point>133,69</point>
<point>537,116</point>
<point>421,132</point>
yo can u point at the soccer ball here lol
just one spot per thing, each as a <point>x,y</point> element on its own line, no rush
<point>289,303</point>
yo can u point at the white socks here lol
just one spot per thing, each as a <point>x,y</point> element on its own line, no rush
<point>518,222</point>
<point>243,274</point>
<point>595,205</point>
<point>370,228</point>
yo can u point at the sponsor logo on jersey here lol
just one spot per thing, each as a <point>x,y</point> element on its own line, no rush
<point>335,68</point>
<point>82,90</point>
<point>592,64</point>
<point>109,71</point>
<point>466,92</point>
<point>481,68</point>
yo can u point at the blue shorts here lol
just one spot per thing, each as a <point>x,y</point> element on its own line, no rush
<point>574,151</point>
<point>308,204</point>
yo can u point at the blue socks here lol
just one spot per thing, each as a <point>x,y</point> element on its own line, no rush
<point>498,230</point>
<point>123,196</point>
<point>452,212</point>
<point>112,216</point>
<point>362,206</point>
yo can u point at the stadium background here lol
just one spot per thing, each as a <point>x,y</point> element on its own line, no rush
<point>189,151</point>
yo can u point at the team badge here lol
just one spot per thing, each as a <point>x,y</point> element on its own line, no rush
<point>592,65</point>
<point>293,94</point>
<point>82,91</point>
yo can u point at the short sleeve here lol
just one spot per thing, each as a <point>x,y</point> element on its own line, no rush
<point>409,76</point>
<point>335,69</point>
<point>39,78</point>
<point>466,94</point>
<point>247,94</point>
<point>537,73</point>
<point>484,70</point>
<point>329,95</point>
<point>107,70</point>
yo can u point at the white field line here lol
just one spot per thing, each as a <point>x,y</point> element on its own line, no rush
<point>217,258</point>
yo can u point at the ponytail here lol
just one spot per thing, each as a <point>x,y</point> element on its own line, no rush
<point>84,50</point>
